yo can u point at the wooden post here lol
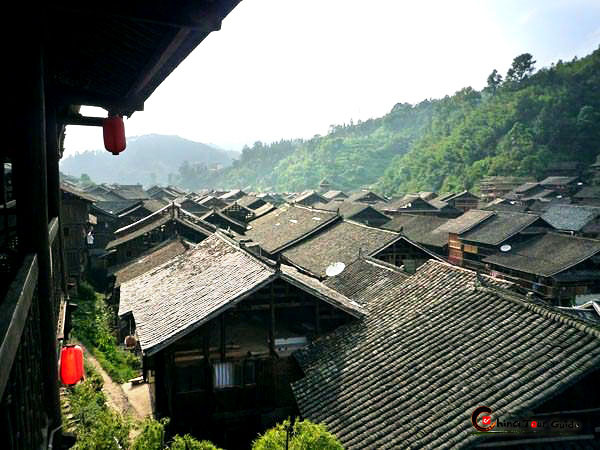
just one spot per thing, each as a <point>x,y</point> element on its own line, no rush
<point>32,208</point>
<point>272,321</point>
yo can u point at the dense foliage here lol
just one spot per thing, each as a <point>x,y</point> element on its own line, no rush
<point>97,426</point>
<point>518,125</point>
<point>92,327</point>
<point>303,435</point>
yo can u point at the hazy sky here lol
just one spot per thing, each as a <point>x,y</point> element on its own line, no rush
<point>290,68</point>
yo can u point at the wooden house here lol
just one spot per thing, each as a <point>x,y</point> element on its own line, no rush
<point>457,226</point>
<point>565,186</point>
<point>588,195</point>
<point>232,195</point>
<point>239,212</point>
<point>251,202</point>
<point>77,223</point>
<point>279,229</point>
<point>575,219</point>
<point>335,196</point>
<point>212,202</point>
<point>409,204</point>
<point>422,229</point>
<point>224,221</point>
<point>365,196</point>
<point>357,212</point>
<point>192,206</point>
<point>502,229</point>
<point>492,187</point>
<point>324,185</point>
<point>345,241</point>
<point>309,198</point>
<point>130,192</point>
<point>217,327</point>
<point>554,266</point>
<point>463,201</point>
<point>54,71</point>
<point>133,240</point>
<point>420,350</point>
<point>273,198</point>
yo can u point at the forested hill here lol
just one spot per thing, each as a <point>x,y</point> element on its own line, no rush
<point>148,159</point>
<point>518,125</point>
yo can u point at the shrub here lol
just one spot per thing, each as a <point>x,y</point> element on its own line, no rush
<point>91,325</point>
<point>304,435</point>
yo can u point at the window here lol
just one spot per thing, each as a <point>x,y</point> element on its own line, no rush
<point>227,374</point>
<point>66,231</point>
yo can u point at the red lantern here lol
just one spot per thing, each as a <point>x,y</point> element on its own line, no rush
<point>71,364</point>
<point>113,129</point>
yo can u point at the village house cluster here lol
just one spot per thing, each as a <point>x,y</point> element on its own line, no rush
<point>389,320</point>
<point>342,307</point>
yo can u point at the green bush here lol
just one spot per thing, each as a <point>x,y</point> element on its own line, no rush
<point>96,425</point>
<point>152,437</point>
<point>91,326</point>
<point>304,435</point>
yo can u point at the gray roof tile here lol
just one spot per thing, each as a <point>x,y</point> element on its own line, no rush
<point>431,349</point>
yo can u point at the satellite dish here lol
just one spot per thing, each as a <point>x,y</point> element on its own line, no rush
<point>505,248</point>
<point>335,269</point>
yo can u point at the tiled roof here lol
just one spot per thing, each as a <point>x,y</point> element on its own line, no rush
<point>321,290</point>
<point>116,208</point>
<point>467,221</point>
<point>589,192</point>
<point>501,226</point>
<point>570,217</point>
<point>348,209</point>
<point>77,193</point>
<point>286,225</point>
<point>130,192</point>
<point>420,228</point>
<point>152,225</point>
<point>210,215</point>
<point>430,350</point>
<point>365,280</point>
<point>152,258</point>
<point>153,205</point>
<point>262,210</point>
<point>173,299</point>
<point>360,195</point>
<point>250,201</point>
<point>557,181</point>
<point>547,254</point>
<point>170,300</point>
<point>338,243</point>
<point>409,201</point>
<point>309,194</point>
<point>233,193</point>
<point>333,194</point>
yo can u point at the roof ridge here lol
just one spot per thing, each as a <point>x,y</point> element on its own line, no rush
<point>379,263</point>
<point>233,243</point>
<point>546,311</point>
<point>370,227</point>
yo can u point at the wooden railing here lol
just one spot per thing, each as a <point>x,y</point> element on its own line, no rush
<point>22,409</point>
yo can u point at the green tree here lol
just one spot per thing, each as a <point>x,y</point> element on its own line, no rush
<point>493,81</point>
<point>303,435</point>
<point>522,67</point>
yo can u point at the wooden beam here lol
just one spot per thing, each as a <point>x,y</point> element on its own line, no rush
<point>272,322</point>
<point>78,119</point>
<point>14,311</point>
<point>31,188</point>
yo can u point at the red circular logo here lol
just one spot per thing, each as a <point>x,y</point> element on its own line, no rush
<point>533,424</point>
